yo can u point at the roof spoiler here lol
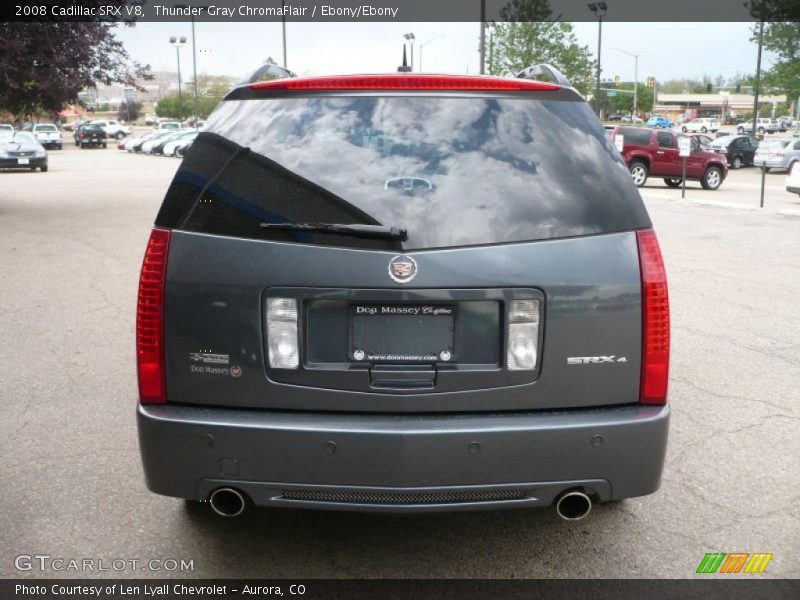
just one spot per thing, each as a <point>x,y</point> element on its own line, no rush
<point>267,72</point>
<point>549,71</point>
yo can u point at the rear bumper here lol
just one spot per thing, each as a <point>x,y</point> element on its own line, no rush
<point>13,163</point>
<point>402,462</point>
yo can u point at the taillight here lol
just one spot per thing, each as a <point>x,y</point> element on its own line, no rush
<point>150,320</point>
<point>655,321</point>
<point>404,82</point>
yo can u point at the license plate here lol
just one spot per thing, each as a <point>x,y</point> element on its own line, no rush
<point>23,161</point>
<point>406,333</point>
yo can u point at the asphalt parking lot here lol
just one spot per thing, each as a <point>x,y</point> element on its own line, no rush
<point>71,242</point>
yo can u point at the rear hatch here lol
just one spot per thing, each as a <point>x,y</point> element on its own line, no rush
<point>517,284</point>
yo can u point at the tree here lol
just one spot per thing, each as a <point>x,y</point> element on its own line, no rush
<point>43,65</point>
<point>623,103</point>
<point>783,41</point>
<point>169,107</point>
<point>526,37</point>
<point>214,86</point>
<point>129,111</point>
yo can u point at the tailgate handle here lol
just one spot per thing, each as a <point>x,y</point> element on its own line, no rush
<point>402,376</point>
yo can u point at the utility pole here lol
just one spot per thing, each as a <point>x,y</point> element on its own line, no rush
<point>483,38</point>
<point>283,28</point>
<point>758,76</point>
<point>599,9</point>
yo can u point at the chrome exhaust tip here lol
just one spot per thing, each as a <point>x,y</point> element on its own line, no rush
<point>573,506</point>
<point>227,502</point>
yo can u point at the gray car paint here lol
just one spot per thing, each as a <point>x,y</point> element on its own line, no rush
<point>593,307</point>
<point>614,452</point>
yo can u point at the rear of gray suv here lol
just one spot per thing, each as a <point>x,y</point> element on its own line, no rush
<point>403,293</point>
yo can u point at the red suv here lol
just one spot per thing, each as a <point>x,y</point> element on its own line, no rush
<point>655,152</point>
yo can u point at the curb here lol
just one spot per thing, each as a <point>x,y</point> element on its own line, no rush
<point>721,204</point>
<point>789,212</point>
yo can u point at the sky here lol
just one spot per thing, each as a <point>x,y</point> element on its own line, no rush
<point>666,50</point>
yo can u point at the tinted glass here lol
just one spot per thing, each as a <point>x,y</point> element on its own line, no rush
<point>664,140</point>
<point>453,171</point>
<point>49,128</point>
<point>635,136</point>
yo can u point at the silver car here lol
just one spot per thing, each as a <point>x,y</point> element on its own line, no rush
<point>779,154</point>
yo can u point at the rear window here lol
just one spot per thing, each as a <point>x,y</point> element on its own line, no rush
<point>635,136</point>
<point>46,128</point>
<point>453,171</point>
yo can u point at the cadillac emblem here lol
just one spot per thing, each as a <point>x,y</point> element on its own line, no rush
<point>402,269</point>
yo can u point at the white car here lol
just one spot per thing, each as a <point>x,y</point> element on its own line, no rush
<point>6,127</point>
<point>177,147</point>
<point>763,125</point>
<point>47,134</point>
<point>114,129</point>
<point>168,126</point>
<point>793,180</point>
<point>702,125</point>
<point>154,140</point>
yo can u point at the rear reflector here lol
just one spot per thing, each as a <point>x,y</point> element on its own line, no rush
<point>405,82</point>
<point>655,321</point>
<point>150,320</point>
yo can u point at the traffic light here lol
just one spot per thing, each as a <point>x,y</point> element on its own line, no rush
<point>651,82</point>
<point>616,80</point>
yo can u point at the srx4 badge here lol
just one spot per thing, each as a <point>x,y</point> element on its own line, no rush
<point>593,360</point>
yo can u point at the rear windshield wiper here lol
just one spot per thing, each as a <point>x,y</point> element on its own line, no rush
<point>380,232</point>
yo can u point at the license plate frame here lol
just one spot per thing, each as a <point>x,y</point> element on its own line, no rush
<point>418,333</point>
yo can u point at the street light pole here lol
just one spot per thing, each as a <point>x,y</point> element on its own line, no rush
<point>410,38</point>
<point>194,74</point>
<point>635,77</point>
<point>194,59</point>
<point>422,46</point>
<point>178,43</point>
<point>598,8</point>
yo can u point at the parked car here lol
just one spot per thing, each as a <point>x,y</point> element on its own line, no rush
<point>113,128</point>
<point>91,135</point>
<point>47,134</point>
<point>632,119</point>
<point>134,144</point>
<point>659,122</point>
<point>778,154</point>
<point>168,125</point>
<point>362,353</point>
<point>158,146</point>
<point>155,139</point>
<point>763,125</point>
<point>178,146</point>
<point>150,120</point>
<point>739,150</point>
<point>6,128</point>
<point>793,179</point>
<point>653,152</point>
<point>702,139</point>
<point>21,150</point>
<point>702,125</point>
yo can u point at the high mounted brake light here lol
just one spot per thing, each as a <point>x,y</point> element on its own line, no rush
<point>150,320</point>
<point>404,82</point>
<point>655,321</point>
